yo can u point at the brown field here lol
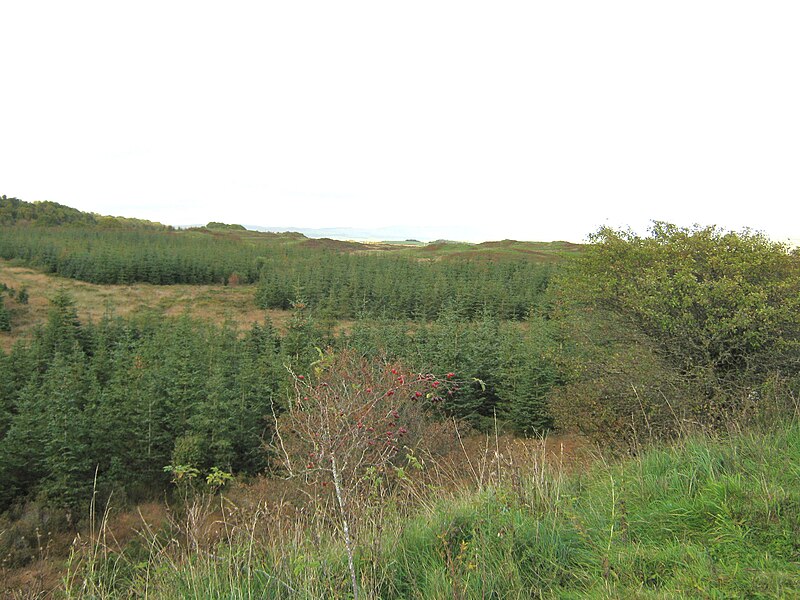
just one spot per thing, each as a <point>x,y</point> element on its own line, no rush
<point>216,303</point>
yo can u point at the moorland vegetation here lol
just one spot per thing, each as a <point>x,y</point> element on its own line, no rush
<point>310,455</point>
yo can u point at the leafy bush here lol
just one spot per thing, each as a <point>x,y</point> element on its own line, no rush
<point>721,306</point>
<point>621,391</point>
<point>685,324</point>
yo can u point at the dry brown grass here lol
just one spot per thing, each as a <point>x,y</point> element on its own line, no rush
<point>273,512</point>
<point>39,580</point>
<point>215,303</point>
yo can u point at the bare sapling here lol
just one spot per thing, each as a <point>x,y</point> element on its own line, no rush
<point>345,425</point>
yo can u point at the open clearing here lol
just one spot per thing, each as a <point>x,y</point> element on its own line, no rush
<point>215,303</point>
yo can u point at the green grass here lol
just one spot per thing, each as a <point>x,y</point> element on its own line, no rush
<point>707,518</point>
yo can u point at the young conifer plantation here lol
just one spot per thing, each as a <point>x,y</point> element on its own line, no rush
<point>500,420</point>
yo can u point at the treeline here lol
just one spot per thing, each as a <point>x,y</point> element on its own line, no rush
<point>344,285</point>
<point>398,287</point>
<point>131,256</point>
<point>122,399</point>
<point>14,211</point>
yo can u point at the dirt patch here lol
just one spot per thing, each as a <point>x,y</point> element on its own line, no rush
<point>44,576</point>
<point>481,459</point>
<point>39,580</point>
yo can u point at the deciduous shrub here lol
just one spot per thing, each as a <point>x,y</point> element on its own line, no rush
<point>707,313</point>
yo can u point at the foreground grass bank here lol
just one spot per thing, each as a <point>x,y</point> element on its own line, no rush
<point>707,518</point>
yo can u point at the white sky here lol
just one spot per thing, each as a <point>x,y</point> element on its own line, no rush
<point>528,120</point>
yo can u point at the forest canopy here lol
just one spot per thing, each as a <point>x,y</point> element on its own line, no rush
<point>45,213</point>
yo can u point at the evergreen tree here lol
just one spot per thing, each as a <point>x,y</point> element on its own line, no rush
<point>68,465</point>
<point>526,375</point>
<point>5,316</point>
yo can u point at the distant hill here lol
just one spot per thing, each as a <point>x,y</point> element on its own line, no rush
<point>428,242</point>
<point>376,234</point>
<point>14,211</point>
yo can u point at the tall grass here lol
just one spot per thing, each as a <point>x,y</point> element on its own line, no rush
<point>707,517</point>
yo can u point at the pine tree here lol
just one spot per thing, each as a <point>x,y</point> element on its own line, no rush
<point>5,317</point>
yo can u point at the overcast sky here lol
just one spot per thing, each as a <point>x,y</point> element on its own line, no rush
<point>528,120</point>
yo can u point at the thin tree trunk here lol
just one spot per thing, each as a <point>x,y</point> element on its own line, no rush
<point>348,542</point>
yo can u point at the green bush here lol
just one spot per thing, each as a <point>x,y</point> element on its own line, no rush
<point>722,307</point>
<point>685,326</point>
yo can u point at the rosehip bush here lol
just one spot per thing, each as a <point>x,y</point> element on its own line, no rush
<point>348,419</point>
<point>350,415</point>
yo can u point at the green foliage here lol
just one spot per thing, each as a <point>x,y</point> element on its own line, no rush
<point>341,279</point>
<point>14,211</point>
<point>402,287</point>
<point>5,317</point>
<point>190,451</point>
<point>720,305</point>
<point>123,398</point>
<point>617,388</point>
<point>527,374</point>
<point>225,226</point>
<point>217,478</point>
<point>181,472</point>
<point>340,284</point>
<point>506,370</point>
<point>130,255</point>
<point>303,337</point>
<point>682,327</point>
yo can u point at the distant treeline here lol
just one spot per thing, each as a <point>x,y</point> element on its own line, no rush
<point>14,211</point>
<point>130,255</point>
<point>343,284</point>
<point>399,287</point>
